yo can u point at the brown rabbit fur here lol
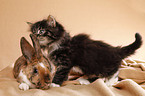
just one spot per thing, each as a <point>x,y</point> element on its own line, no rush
<point>32,69</point>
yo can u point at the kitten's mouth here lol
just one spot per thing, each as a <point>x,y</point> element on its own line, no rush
<point>41,39</point>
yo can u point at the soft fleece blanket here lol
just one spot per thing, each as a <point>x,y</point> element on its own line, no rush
<point>132,83</point>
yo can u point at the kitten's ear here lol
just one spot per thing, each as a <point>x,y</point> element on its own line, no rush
<point>51,21</point>
<point>29,23</point>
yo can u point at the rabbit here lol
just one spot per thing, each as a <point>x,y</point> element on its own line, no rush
<point>32,69</point>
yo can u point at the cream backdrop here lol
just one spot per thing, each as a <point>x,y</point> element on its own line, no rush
<point>113,21</point>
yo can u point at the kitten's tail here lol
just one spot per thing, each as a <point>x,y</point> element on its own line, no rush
<point>130,49</point>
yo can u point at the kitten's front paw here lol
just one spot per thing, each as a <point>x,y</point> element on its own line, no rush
<point>83,81</point>
<point>24,86</point>
<point>54,85</point>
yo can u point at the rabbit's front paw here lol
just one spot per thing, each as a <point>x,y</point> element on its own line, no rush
<point>54,85</point>
<point>24,86</point>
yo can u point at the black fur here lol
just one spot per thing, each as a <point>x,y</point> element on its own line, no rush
<point>92,57</point>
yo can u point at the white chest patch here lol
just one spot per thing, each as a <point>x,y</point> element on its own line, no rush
<point>53,47</point>
<point>24,78</point>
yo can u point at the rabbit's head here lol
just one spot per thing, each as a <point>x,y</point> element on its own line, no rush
<point>36,68</point>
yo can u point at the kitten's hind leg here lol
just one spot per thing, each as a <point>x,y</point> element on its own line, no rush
<point>112,79</point>
<point>83,81</point>
<point>87,79</point>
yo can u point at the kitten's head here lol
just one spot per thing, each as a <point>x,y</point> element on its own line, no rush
<point>47,30</point>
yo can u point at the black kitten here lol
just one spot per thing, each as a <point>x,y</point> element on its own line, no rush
<point>92,58</point>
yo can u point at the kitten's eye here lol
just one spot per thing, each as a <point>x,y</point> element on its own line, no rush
<point>41,32</point>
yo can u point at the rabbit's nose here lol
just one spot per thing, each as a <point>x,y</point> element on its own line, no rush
<point>45,87</point>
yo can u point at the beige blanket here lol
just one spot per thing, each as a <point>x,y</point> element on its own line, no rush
<point>132,76</point>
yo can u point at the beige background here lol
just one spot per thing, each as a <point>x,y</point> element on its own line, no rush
<point>113,21</point>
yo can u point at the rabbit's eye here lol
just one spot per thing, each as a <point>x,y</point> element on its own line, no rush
<point>35,70</point>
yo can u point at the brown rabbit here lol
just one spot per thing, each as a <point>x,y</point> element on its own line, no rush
<point>32,69</point>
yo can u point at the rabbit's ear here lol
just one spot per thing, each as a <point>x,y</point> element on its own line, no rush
<point>27,50</point>
<point>36,46</point>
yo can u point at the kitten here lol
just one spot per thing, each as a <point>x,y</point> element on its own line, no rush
<point>50,34</point>
<point>95,59</point>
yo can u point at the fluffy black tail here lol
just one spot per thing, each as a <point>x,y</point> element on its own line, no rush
<point>130,49</point>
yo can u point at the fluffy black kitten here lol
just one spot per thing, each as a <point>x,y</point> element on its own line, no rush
<point>93,58</point>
